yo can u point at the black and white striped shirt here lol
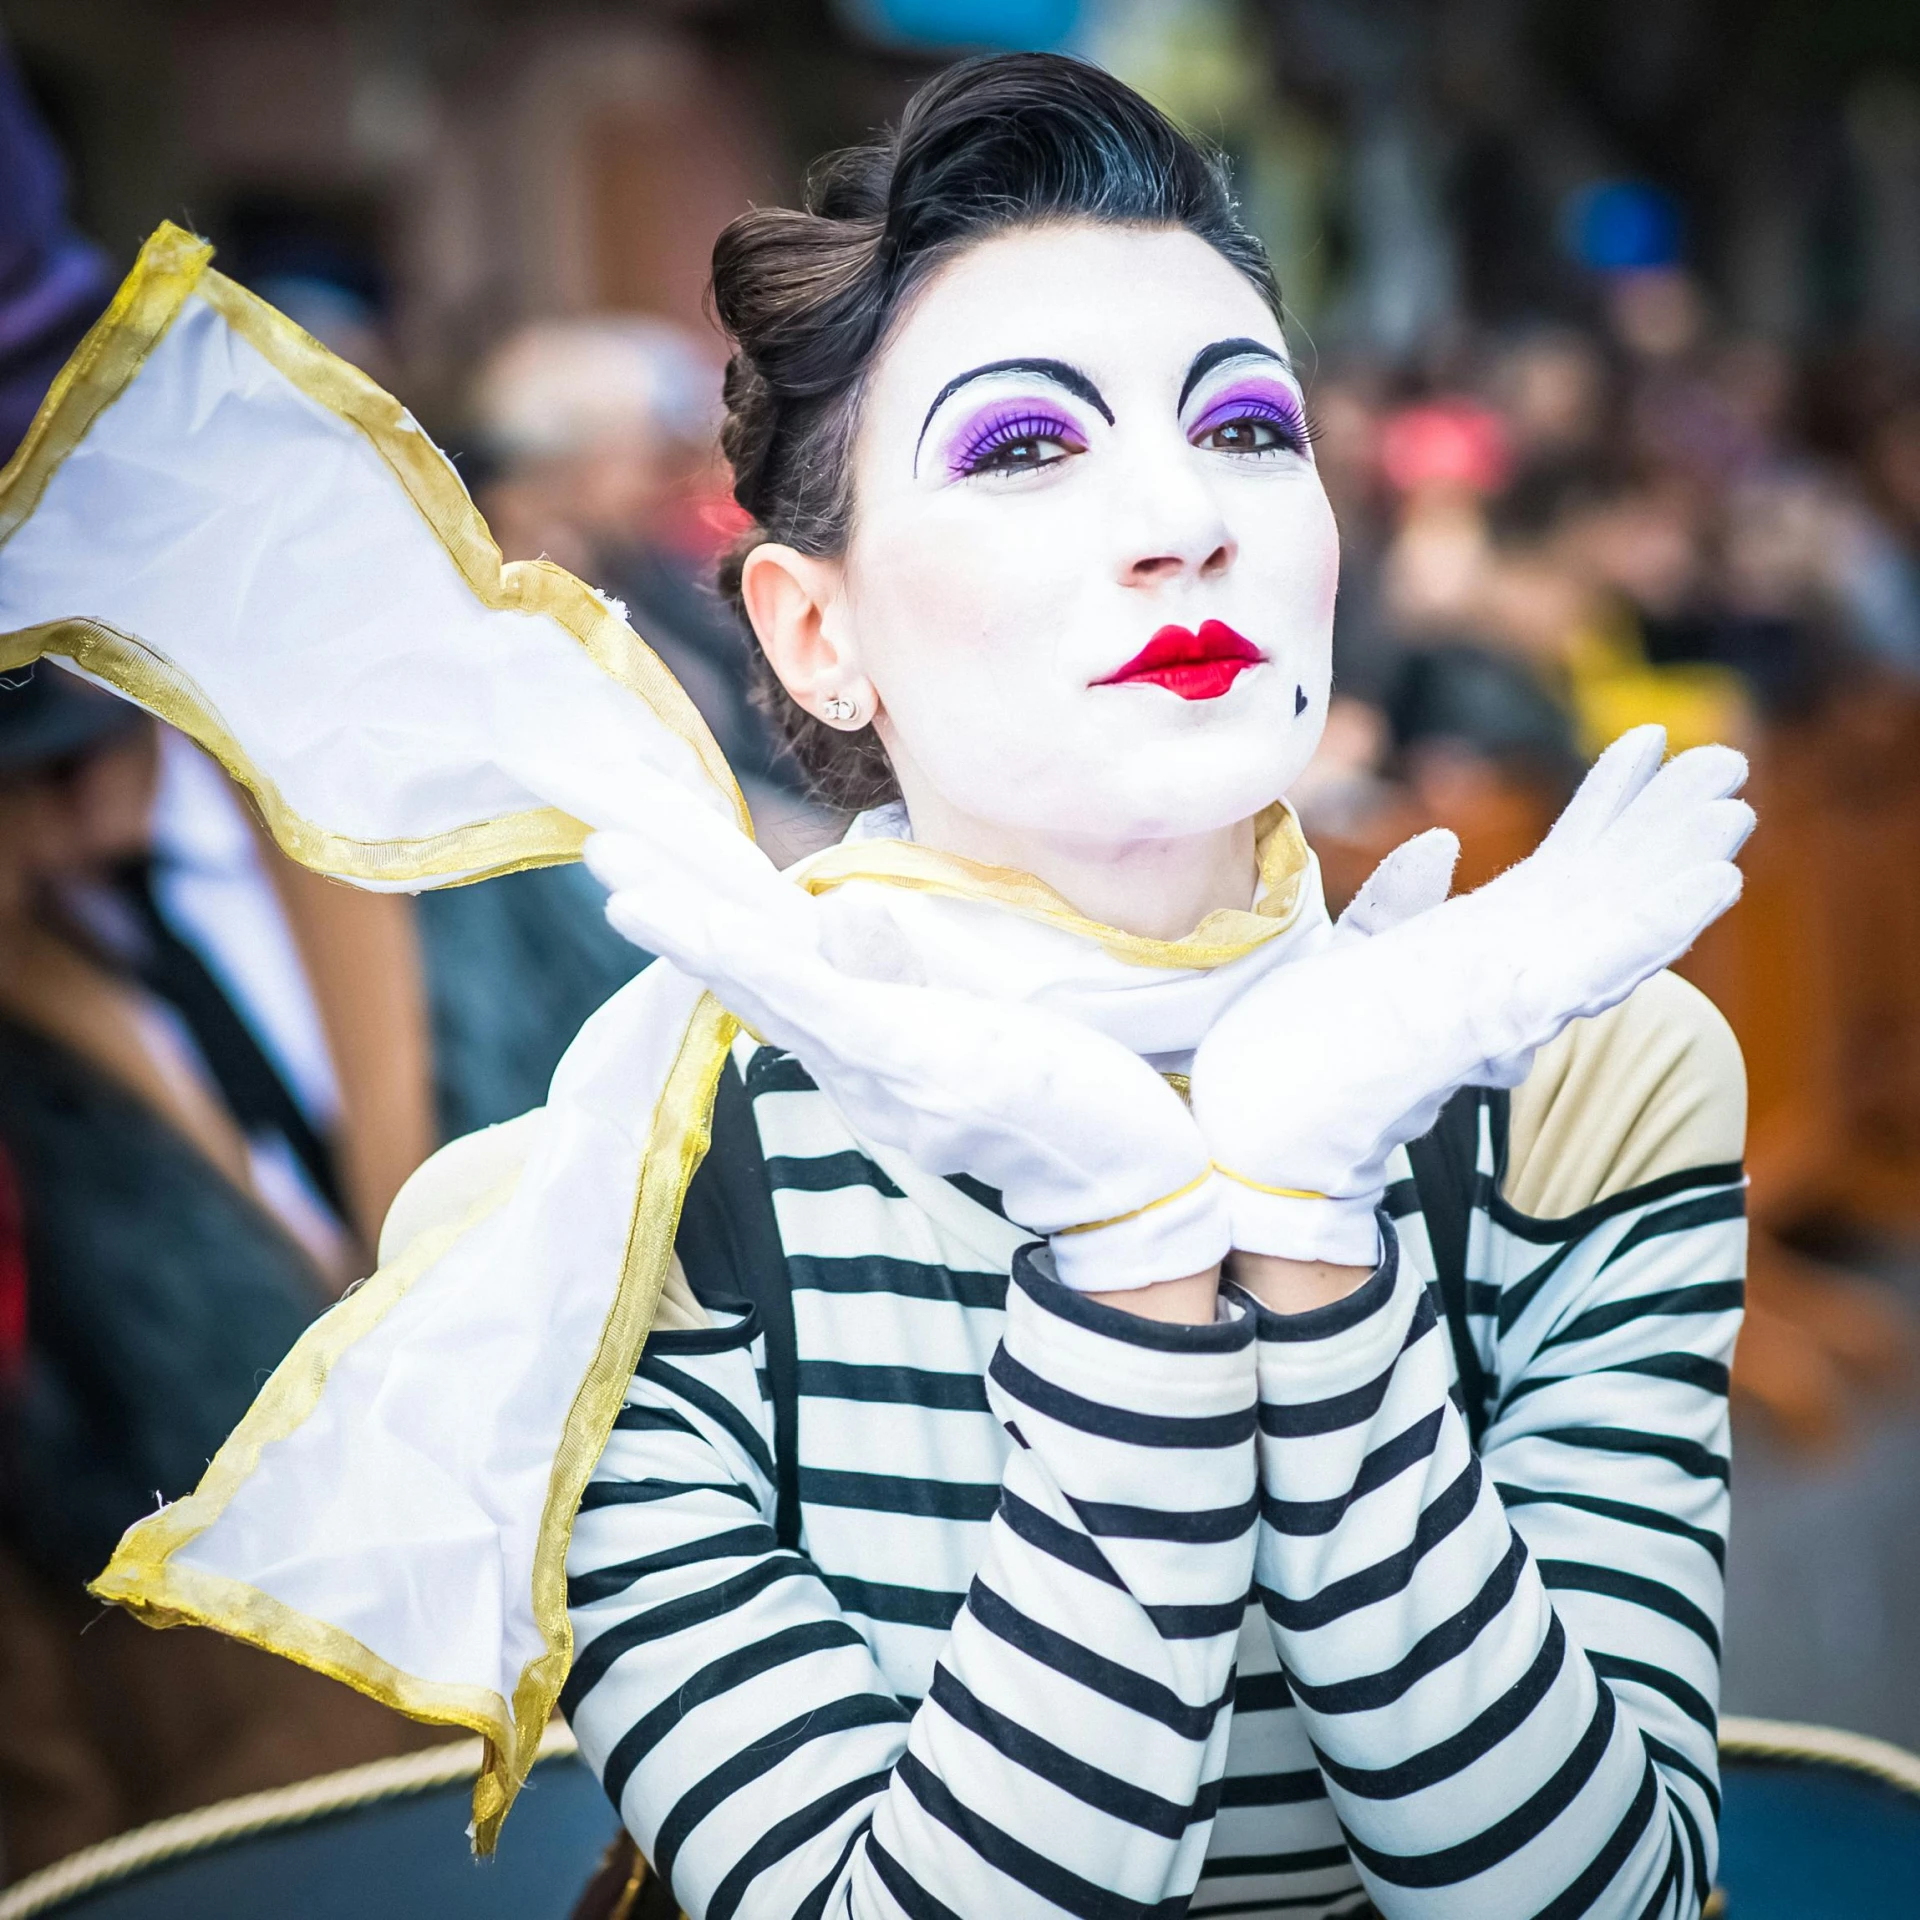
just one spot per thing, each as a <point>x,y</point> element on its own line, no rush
<point>1097,1616</point>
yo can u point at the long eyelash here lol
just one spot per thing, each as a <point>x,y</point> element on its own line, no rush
<point>1005,430</point>
<point>1302,427</point>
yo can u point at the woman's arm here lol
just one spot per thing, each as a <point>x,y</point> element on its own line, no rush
<point>1509,1665</point>
<point>1069,1749</point>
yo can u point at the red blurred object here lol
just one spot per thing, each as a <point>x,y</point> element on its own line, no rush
<point>13,1279</point>
<point>1451,443</point>
<point>701,526</point>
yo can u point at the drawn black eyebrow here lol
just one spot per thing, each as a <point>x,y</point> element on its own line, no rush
<point>1219,353</point>
<point>1070,378</point>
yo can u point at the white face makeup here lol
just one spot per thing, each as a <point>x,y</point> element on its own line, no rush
<point>1092,568</point>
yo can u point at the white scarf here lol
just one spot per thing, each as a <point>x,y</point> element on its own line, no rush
<point>218,519</point>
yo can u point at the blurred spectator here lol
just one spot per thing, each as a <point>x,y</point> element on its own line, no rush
<point>1552,386</point>
<point>513,968</point>
<point>600,440</point>
<point>167,1230</point>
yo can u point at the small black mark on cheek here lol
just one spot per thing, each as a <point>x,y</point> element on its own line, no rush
<point>1299,701</point>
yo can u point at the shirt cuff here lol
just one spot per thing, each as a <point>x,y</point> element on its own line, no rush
<point>1341,1346</point>
<point>1160,1382</point>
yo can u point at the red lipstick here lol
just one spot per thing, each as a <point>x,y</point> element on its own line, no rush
<point>1196,666</point>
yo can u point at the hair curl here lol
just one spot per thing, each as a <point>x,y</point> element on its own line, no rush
<point>808,295</point>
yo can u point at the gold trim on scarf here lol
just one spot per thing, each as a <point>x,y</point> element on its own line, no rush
<point>1227,934</point>
<point>97,373</point>
<point>143,1576</point>
<point>515,841</point>
<point>677,1142</point>
<point>171,268</point>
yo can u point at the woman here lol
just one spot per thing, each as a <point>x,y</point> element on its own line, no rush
<point>915,1576</point>
<point>1040,1491</point>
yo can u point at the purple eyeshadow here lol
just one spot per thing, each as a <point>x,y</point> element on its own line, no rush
<point>1004,424</point>
<point>1255,400</point>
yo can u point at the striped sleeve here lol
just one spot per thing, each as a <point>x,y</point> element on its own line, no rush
<point>1508,1663</point>
<point>1067,1756</point>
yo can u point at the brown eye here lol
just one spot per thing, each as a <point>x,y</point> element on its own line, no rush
<point>1023,443</point>
<point>1019,454</point>
<point>1246,435</point>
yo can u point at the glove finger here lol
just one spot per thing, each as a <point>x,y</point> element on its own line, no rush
<point>605,793</point>
<point>1612,783</point>
<point>1716,830</point>
<point>688,874</point>
<point>791,998</point>
<point>1608,954</point>
<point>1686,906</point>
<point>706,852</point>
<point>1684,816</point>
<point>1630,864</point>
<point>1690,779</point>
<point>1414,877</point>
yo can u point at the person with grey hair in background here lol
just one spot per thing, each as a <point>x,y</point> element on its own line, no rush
<point>598,444</point>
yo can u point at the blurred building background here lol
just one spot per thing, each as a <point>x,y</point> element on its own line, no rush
<point>1419,167</point>
<point>1610,317</point>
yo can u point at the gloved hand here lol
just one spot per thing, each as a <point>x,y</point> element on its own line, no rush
<point>1086,1143</point>
<point>1314,1075</point>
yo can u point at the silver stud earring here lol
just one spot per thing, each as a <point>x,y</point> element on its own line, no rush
<point>838,707</point>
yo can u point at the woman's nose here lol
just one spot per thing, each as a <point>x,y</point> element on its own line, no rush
<point>1171,525</point>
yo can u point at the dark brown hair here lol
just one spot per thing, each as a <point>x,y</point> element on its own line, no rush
<point>807,295</point>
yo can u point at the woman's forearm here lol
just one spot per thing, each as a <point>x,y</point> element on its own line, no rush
<point>1294,1286</point>
<point>1076,1722</point>
<point>1192,1301</point>
<point>1470,1745</point>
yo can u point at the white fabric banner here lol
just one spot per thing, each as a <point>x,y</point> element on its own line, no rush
<point>258,544</point>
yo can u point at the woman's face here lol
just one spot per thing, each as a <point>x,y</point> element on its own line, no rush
<point>1092,568</point>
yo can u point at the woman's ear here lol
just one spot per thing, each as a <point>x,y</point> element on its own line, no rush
<point>792,599</point>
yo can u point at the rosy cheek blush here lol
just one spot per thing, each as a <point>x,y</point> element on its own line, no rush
<point>1256,400</point>
<point>1007,423</point>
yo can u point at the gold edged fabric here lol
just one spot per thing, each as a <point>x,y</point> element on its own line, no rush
<point>173,266</point>
<point>146,1578</point>
<point>1228,934</point>
<point>677,1142</point>
<point>544,838</point>
<point>143,1577</point>
<point>1134,1213</point>
<point>96,374</point>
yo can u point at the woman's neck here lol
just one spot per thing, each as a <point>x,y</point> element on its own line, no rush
<point>1161,889</point>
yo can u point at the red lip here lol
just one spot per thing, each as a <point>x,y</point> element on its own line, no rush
<point>1196,666</point>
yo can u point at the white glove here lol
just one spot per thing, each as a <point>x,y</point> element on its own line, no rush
<point>1085,1142</point>
<point>1312,1078</point>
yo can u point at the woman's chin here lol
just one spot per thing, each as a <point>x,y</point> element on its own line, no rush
<point>1112,801</point>
<point>1157,767</point>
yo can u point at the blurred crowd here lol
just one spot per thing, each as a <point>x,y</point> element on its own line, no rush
<point>1559,534</point>
<point>216,1070</point>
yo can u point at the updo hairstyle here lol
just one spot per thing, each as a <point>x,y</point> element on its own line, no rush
<point>807,296</point>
